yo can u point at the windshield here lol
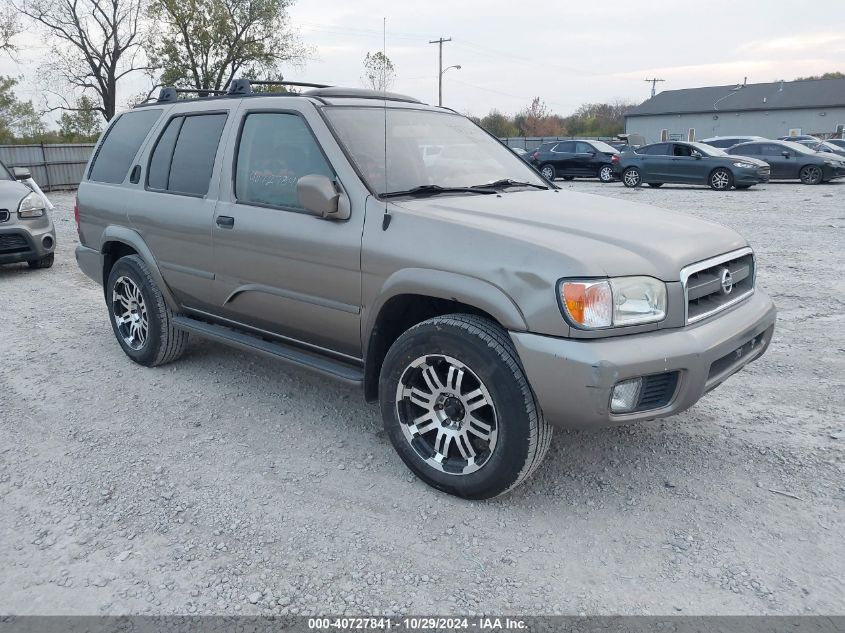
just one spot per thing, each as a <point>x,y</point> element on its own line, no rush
<point>709,150</point>
<point>469,156</point>
<point>827,147</point>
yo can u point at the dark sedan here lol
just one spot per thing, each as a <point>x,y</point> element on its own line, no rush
<point>571,159</point>
<point>690,164</point>
<point>824,146</point>
<point>793,161</point>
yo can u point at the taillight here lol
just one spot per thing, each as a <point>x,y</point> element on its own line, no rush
<point>614,158</point>
<point>76,213</point>
<point>535,155</point>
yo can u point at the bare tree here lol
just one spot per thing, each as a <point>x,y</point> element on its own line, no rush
<point>9,27</point>
<point>94,44</point>
<point>379,73</point>
<point>204,44</point>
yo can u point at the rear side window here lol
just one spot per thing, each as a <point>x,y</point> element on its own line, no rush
<point>275,150</point>
<point>661,149</point>
<point>121,143</point>
<point>568,147</point>
<point>746,150</point>
<point>183,158</point>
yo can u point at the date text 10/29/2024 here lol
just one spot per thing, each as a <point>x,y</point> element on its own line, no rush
<point>416,624</point>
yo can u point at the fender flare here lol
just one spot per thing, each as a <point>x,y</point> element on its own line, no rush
<point>134,240</point>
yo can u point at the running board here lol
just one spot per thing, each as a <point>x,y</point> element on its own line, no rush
<point>324,365</point>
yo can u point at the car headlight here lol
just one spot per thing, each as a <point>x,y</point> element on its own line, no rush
<point>744,165</point>
<point>595,304</point>
<point>32,206</point>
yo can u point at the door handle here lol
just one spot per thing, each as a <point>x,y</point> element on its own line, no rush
<point>225,221</point>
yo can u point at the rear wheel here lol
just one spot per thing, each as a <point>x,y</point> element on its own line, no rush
<point>140,318</point>
<point>632,177</point>
<point>606,173</point>
<point>458,408</point>
<point>656,185</point>
<point>548,172</point>
<point>811,175</point>
<point>44,262</point>
<point>721,179</point>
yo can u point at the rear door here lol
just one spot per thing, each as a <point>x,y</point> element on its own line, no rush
<point>174,207</point>
<point>656,162</point>
<point>562,157</point>
<point>585,162</point>
<point>277,268</point>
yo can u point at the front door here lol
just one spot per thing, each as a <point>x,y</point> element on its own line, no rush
<point>278,269</point>
<point>685,168</point>
<point>782,160</point>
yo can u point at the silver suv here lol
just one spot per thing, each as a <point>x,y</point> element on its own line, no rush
<point>479,304</point>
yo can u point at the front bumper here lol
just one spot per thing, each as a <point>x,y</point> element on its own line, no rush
<point>743,176</point>
<point>573,379</point>
<point>28,240</point>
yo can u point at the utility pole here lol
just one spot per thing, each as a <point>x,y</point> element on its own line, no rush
<point>654,85</point>
<point>439,42</point>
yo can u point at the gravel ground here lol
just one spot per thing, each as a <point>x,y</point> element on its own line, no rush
<point>229,483</point>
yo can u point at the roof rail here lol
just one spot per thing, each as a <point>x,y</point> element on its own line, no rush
<point>169,95</point>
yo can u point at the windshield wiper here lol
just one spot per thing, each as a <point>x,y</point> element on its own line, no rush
<point>507,182</point>
<point>433,190</point>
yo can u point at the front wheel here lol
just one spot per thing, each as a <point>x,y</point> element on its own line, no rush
<point>631,177</point>
<point>548,172</point>
<point>458,408</point>
<point>811,175</point>
<point>606,173</point>
<point>140,318</point>
<point>721,180</point>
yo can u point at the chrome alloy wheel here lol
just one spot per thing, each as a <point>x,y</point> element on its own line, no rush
<point>720,179</point>
<point>606,173</point>
<point>130,312</point>
<point>811,175</point>
<point>548,172</point>
<point>632,177</point>
<point>447,414</point>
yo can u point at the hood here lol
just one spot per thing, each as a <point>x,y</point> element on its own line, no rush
<point>831,156</point>
<point>11,194</point>
<point>597,235</point>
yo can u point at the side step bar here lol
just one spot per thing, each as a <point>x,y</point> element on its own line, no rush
<point>326,366</point>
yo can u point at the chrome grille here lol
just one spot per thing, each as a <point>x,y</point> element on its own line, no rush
<point>717,283</point>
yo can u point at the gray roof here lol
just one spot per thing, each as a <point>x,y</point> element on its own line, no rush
<point>779,95</point>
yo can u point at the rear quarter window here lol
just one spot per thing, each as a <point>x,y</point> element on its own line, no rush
<point>121,143</point>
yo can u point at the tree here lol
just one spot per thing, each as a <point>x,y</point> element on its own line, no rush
<point>598,119</point>
<point>536,120</point>
<point>18,119</point>
<point>82,125</point>
<point>94,44</point>
<point>830,75</point>
<point>379,72</point>
<point>9,27</point>
<point>499,124</point>
<point>204,44</point>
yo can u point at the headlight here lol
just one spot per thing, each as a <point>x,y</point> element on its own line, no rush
<point>596,304</point>
<point>32,206</point>
<point>745,165</point>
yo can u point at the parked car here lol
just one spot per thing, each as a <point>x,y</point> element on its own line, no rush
<point>724,142</point>
<point>838,142</point>
<point>791,161</point>
<point>800,137</point>
<point>308,227</point>
<point>691,164</point>
<point>523,154</point>
<point>576,158</point>
<point>27,233</point>
<point>824,146</point>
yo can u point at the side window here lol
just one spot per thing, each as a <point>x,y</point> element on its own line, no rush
<point>661,149</point>
<point>747,150</point>
<point>584,148</point>
<point>121,143</point>
<point>682,150</point>
<point>158,173</point>
<point>193,156</point>
<point>568,147</point>
<point>274,151</point>
<point>770,149</point>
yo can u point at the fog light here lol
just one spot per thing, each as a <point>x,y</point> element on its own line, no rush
<point>625,395</point>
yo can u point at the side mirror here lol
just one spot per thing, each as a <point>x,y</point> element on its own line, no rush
<point>319,196</point>
<point>696,154</point>
<point>785,154</point>
<point>21,173</point>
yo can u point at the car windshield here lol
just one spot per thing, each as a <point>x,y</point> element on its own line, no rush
<point>827,147</point>
<point>708,150</point>
<point>801,149</point>
<point>470,157</point>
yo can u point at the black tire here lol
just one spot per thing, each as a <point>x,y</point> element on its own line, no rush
<point>569,177</point>
<point>44,262</point>
<point>549,172</point>
<point>742,187</point>
<point>606,173</point>
<point>811,175</point>
<point>632,177</point>
<point>162,342</point>
<point>720,179</point>
<point>656,185</point>
<point>485,350</point>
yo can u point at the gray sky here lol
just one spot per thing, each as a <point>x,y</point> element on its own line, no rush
<point>568,53</point>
